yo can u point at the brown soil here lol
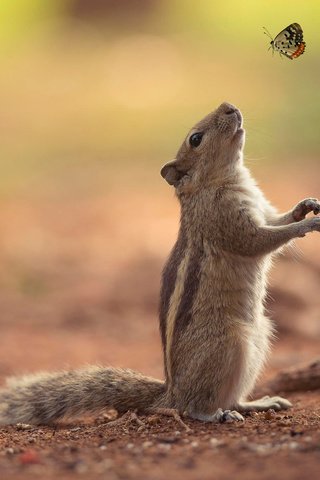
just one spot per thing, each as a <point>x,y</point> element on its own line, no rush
<point>80,285</point>
<point>267,445</point>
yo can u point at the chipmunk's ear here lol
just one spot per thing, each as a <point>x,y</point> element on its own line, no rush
<point>171,173</point>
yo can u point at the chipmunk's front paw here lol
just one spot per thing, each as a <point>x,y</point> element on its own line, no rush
<point>304,207</point>
<point>264,404</point>
<point>311,225</point>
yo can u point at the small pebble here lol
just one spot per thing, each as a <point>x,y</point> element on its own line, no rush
<point>214,442</point>
<point>9,451</point>
<point>29,457</point>
<point>147,444</point>
<point>269,414</point>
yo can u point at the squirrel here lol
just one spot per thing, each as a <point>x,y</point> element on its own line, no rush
<point>214,331</point>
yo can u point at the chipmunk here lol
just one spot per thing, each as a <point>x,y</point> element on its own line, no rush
<point>214,332</point>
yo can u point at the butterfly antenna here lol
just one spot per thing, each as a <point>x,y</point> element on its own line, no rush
<point>266,32</point>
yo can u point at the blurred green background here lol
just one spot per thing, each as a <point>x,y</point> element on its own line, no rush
<point>94,89</point>
<point>95,96</point>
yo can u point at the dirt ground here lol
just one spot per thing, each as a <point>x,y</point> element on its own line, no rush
<point>79,284</point>
<point>267,445</point>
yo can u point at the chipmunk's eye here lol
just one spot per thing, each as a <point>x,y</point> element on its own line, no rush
<point>195,139</point>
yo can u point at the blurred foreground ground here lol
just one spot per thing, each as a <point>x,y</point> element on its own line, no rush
<point>79,284</point>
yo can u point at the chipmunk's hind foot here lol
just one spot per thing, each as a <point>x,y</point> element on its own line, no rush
<point>220,416</point>
<point>265,403</point>
<point>169,412</point>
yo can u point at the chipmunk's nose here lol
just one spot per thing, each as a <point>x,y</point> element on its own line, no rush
<point>229,109</point>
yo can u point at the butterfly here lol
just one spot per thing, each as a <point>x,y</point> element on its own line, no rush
<point>289,42</point>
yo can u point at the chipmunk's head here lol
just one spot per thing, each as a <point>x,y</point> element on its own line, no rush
<point>210,153</point>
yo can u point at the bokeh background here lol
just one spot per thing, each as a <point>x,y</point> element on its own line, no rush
<point>95,95</point>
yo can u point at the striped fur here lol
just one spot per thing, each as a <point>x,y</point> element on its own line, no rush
<point>184,310</point>
<point>174,305</point>
<point>169,278</point>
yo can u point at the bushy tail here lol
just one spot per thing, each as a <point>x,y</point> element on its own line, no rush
<point>47,397</point>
